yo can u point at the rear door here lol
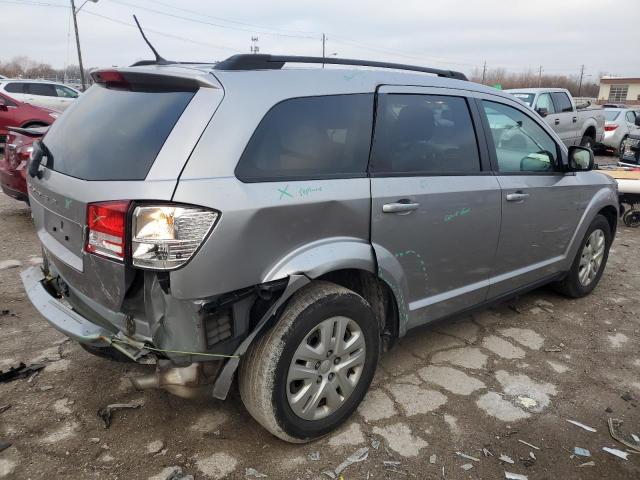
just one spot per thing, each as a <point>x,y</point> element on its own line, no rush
<point>65,96</point>
<point>41,94</point>
<point>565,123</point>
<point>16,90</point>
<point>112,144</point>
<point>435,204</point>
<point>540,204</point>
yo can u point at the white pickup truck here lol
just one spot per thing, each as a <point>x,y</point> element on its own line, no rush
<point>575,126</point>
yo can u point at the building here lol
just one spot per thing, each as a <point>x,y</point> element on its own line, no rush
<point>619,90</point>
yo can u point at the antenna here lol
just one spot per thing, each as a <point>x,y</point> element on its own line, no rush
<point>159,59</point>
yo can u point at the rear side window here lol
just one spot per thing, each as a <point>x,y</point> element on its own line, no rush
<point>41,89</point>
<point>15,87</point>
<point>310,138</point>
<point>113,134</point>
<point>423,134</point>
<point>562,102</point>
<point>63,91</point>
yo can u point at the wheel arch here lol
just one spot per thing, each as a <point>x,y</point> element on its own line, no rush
<point>34,123</point>
<point>611,214</point>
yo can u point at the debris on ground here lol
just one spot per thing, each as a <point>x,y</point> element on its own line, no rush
<point>106,413</point>
<point>94,440</point>
<point>515,476</point>
<point>4,445</point>
<point>154,447</point>
<point>588,464</point>
<point>391,463</point>
<point>358,456</point>
<point>582,425</point>
<point>175,473</point>
<point>505,458</point>
<point>7,264</point>
<point>4,408</point>
<point>33,376</point>
<point>633,435</point>
<point>581,452</point>
<point>466,466</point>
<point>533,455</point>
<point>375,444</point>
<point>526,402</point>
<point>21,371</point>
<point>44,388</point>
<point>529,445</point>
<point>468,457</point>
<point>5,311</point>
<point>252,472</point>
<point>486,452</point>
<point>614,425</point>
<point>432,459</point>
<point>314,456</point>
<point>616,452</point>
<point>627,397</point>
<point>554,349</point>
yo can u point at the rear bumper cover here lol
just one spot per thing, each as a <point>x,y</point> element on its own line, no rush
<point>59,315</point>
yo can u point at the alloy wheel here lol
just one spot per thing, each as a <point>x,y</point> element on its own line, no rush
<point>591,258</point>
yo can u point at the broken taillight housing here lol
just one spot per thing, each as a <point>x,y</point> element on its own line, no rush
<point>106,228</point>
<point>165,237</point>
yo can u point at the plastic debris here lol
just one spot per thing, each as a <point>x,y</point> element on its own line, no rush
<point>4,408</point>
<point>582,425</point>
<point>515,476</point>
<point>466,466</point>
<point>176,474</point>
<point>526,402</point>
<point>633,435</point>
<point>582,452</point>
<point>391,463</point>
<point>358,456</point>
<point>252,472</point>
<point>616,452</point>
<point>432,459</point>
<point>506,459</point>
<point>486,452</point>
<point>314,456</point>
<point>7,264</point>
<point>533,455</point>
<point>375,444</point>
<point>21,371</point>
<point>614,424</point>
<point>4,445</point>
<point>468,457</point>
<point>588,464</point>
<point>106,413</point>
<point>529,445</point>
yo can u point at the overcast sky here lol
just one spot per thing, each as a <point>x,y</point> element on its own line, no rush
<point>560,35</point>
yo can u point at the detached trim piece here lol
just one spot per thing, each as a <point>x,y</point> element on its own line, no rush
<point>276,62</point>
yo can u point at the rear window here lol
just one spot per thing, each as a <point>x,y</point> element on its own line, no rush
<point>113,134</point>
<point>611,115</point>
<point>310,138</point>
<point>41,89</point>
<point>15,87</point>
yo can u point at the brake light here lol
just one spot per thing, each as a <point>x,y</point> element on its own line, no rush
<point>610,128</point>
<point>110,78</point>
<point>106,223</point>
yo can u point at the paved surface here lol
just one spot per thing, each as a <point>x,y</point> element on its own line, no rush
<point>515,372</point>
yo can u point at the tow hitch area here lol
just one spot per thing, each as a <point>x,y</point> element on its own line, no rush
<point>193,381</point>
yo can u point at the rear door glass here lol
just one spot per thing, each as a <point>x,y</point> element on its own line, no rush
<point>114,134</point>
<point>310,138</point>
<point>41,89</point>
<point>562,102</point>
<point>15,87</point>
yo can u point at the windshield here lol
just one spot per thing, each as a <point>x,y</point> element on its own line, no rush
<point>525,97</point>
<point>611,115</point>
<point>112,134</point>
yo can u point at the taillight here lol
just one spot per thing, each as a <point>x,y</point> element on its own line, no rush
<point>110,78</point>
<point>611,127</point>
<point>106,222</point>
<point>165,237</point>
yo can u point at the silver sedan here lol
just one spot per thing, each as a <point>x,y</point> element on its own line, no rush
<point>619,124</point>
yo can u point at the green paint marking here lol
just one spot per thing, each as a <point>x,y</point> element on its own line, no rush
<point>67,203</point>
<point>283,192</point>
<point>459,213</point>
<point>306,191</point>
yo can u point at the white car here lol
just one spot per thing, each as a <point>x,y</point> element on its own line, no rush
<point>41,93</point>
<point>619,124</point>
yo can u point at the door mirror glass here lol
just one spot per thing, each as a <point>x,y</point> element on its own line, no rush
<point>637,122</point>
<point>541,161</point>
<point>580,159</point>
<point>543,112</point>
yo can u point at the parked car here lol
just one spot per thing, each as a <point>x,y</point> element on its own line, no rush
<point>619,124</point>
<point>42,93</point>
<point>556,105</point>
<point>13,164</point>
<point>14,113</point>
<point>240,215</point>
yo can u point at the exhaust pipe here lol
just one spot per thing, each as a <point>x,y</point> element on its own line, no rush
<point>192,381</point>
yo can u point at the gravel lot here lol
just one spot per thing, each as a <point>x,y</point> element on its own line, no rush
<point>515,372</point>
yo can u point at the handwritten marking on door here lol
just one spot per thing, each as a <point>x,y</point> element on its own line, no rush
<point>458,213</point>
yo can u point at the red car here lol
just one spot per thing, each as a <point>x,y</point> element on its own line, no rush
<point>14,113</point>
<point>13,165</point>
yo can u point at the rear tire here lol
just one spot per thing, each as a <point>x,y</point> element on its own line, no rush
<point>587,141</point>
<point>299,400</point>
<point>621,147</point>
<point>589,262</point>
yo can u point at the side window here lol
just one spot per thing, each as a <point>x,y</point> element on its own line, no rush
<point>631,116</point>
<point>521,144</point>
<point>14,87</point>
<point>62,91</point>
<point>562,102</point>
<point>544,101</point>
<point>423,134</point>
<point>5,101</point>
<point>41,89</point>
<point>310,138</point>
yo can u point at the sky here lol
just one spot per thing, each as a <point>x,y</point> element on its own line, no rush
<point>559,35</point>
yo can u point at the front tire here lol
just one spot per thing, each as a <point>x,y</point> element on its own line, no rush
<point>587,141</point>
<point>309,373</point>
<point>590,260</point>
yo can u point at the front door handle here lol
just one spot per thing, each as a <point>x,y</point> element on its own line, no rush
<point>575,119</point>
<point>516,197</point>
<point>399,207</point>
<point>557,121</point>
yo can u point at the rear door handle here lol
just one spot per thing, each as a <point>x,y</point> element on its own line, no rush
<point>575,119</point>
<point>557,121</point>
<point>399,207</point>
<point>516,197</point>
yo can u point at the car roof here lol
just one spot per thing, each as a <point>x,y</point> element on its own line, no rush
<point>32,80</point>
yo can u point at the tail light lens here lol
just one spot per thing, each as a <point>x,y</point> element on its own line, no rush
<point>165,237</point>
<point>106,222</point>
<point>610,128</point>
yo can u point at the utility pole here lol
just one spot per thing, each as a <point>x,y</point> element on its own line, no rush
<point>580,83</point>
<point>540,76</point>
<point>254,45</point>
<point>75,26</point>
<point>484,70</point>
<point>324,40</point>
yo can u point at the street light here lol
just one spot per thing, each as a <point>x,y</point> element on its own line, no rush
<point>75,25</point>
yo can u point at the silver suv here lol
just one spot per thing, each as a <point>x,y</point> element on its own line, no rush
<point>285,225</point>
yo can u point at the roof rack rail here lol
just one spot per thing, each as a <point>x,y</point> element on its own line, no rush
<point>251,61</point>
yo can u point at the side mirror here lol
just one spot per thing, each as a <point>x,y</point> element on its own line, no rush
<point>580,159</point>
<point>637,122</point>
<point>543,112</point>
